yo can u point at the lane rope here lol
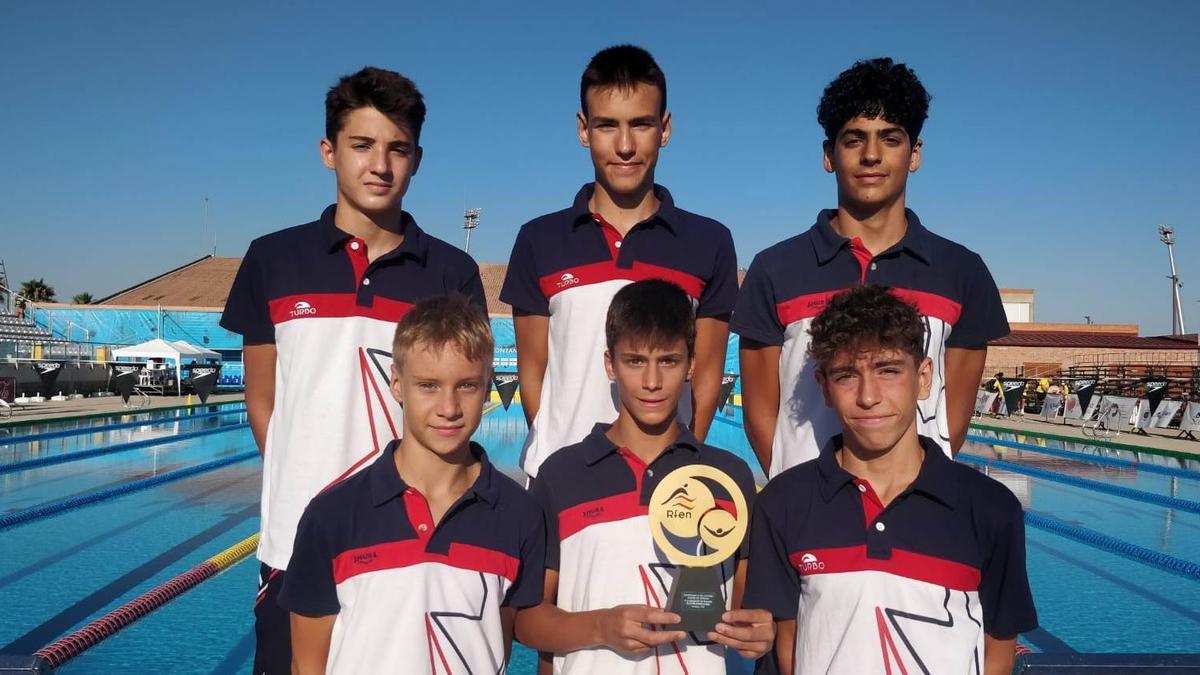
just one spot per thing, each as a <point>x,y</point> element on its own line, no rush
<point>65,457</point>
<point>75,643</point>
<point>1085,457</point>
<point>79,431</point>
<point>54,508</point>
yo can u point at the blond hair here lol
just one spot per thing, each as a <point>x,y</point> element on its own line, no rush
<point>445,320</point>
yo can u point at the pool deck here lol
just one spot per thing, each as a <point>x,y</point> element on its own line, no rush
<point>1155,439</point>
<point>103,405</point>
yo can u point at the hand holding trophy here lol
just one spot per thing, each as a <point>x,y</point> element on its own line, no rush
<point>683,509</point>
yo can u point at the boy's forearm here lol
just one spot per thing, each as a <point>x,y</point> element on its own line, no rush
<point>964,369</point>
<point>760,397</point>
<point>532,333</point>
<point>998,655</point>
<point>712,339</point>
<point>549,628</point>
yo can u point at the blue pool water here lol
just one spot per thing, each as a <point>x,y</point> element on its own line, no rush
<point>59,572</point>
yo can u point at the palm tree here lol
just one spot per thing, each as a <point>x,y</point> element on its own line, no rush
<point>36,290</point>
<point>82,299</point>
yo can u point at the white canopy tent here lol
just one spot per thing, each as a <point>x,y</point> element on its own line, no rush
<point>156,349</point>
<point>190,350</point>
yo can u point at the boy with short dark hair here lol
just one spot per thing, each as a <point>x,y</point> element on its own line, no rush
<point>419,562</point>
<point>566,266</point>
<point>606,580</point>
<point>316,306</point>
<point>883,554</point>
<point>872,115</point>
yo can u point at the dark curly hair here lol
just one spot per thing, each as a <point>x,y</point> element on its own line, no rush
<point>866,318</point>
<point>872,88</point>
<point>623,67</point>
<point>651,313</point>
<point>387,91</point>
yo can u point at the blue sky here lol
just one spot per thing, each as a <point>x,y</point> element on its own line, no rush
<point>1060,133</point>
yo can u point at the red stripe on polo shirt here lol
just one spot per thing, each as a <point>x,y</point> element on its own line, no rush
<point>334,305</point>
<point>400,554</point>
<point>804,306</point>
<point>605,510</point>
<point>905,564</point>
<point>595,273</point>
<point>811,304</point>
<point>931,304</point>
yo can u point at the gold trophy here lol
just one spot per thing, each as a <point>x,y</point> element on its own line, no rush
<point>683,511</point>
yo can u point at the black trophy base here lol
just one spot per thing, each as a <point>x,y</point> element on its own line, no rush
<point>697,598</point>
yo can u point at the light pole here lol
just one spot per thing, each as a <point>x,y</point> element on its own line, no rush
<point>470,222</point>
<point>1166,234</point>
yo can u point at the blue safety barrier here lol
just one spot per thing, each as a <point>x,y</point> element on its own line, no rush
<point>80,431</point>
<point>1085,457</point>
<point>64,457</point>
<point>1093,538</point>
<point>46,510</point>
<point>1095,485</point>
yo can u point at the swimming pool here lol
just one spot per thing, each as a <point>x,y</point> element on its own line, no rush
<point>61,570</point>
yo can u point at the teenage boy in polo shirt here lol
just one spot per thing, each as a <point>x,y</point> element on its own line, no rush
<point>872,115</point>
<point>566,266</point>
<point>316,306</point>
<point>606,581</point>
<point>884,555</point>
<point>418,563</point>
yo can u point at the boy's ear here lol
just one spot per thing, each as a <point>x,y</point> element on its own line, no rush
<point>394,385</point>
<point>325,147</point>
<point>924,378</point>
<point>691,368</point>
<point>608,366</point>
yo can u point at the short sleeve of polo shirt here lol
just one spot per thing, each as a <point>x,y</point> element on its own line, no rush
<point>529,586</point>
<point>982,317</point>
<point>771,583</point>
<point>521,288</point>
<point>246,310</point>
<point>720,294</point>
<point>755,316</point>
<point>1004,584</point>
<point>539,489</point>
<point>309,588</point>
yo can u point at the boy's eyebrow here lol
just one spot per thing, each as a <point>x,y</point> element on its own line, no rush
<point>887,362</point>
<point>596,119</point>
<point>362,138</point>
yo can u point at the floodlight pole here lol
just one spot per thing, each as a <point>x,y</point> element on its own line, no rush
<point>1166,234</point>
<point>470,222</point>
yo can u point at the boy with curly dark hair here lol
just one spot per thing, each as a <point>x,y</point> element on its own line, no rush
<point>872,115</point>
<point>883,555</point>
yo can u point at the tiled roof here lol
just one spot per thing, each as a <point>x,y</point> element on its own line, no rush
<point>201,283</point>
<point>1035,338</point>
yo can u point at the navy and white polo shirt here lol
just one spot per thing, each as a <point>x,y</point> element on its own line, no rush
<point>596,498</point>
<point>411,596</point>
<point>331,315</point>
<point>789,284</point>
<point>911,588</point>
<point>568,265</point>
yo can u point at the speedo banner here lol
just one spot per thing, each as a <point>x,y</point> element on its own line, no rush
<point>1083,388</point>
<point>1156,389</point>
<point>123,377</point>
<point>1191,417</point>
<point>1142,414</point>
<point>1050,406</point>
<point>727,382</point>
<point>48,371</point>
<point>1164,413</point>
<point>202,379</point>
<point>506,386</point>
<point>1012,394</point>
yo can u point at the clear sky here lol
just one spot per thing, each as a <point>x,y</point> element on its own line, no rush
<point>1060,133</point>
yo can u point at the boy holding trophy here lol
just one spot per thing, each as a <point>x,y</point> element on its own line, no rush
<point>645,557</point>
